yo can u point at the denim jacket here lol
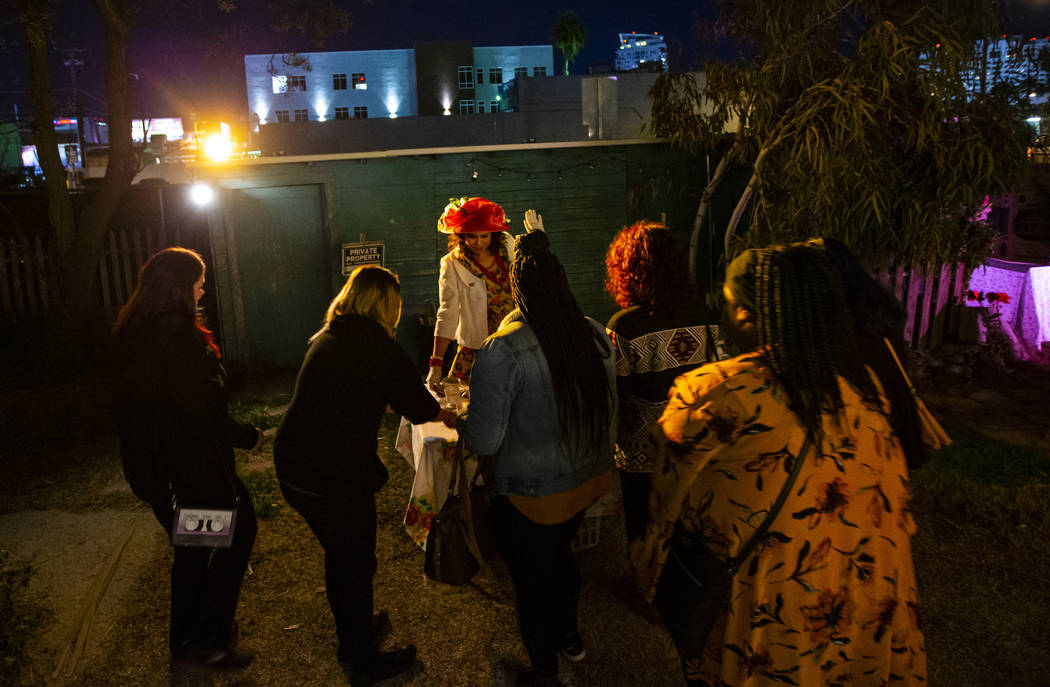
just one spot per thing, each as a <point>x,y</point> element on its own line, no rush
<point>513,417</point>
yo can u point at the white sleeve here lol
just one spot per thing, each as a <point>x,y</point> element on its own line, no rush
<point>448,301</point>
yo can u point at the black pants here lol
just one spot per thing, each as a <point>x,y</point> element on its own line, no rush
<point>635,488</point>
<point>206,582</point>
<point>345,525</point>
<point>546,579</point>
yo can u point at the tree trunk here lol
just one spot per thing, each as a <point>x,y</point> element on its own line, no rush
<point>738,211</point>
<point>705,200</point>
<point>59,206</point>
<point>79,264</point>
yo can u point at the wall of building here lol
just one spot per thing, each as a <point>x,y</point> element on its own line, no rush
<point>437,76</point>
<point>508,59</point>
<point>390,76</point>
<point>267,268</point>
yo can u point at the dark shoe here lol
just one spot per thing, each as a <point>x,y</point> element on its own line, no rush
<point>572,648</point>
<point>385,665</point>
<point>380,629</point>
<point>380,626</point>
<point>211,661</point>
<point>530,678</point>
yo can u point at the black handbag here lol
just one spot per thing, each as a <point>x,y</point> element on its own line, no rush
<point>695,584</point>
<point>459,541</point>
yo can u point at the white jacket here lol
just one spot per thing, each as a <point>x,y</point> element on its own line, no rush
<point>463,311</point>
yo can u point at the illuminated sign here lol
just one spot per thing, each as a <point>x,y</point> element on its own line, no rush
<point>363,253</point>
<point>171,127</point>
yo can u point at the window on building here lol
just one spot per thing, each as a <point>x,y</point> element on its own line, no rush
<point>282,115</point>
<point>342,113</point>
<point>302,115</point>
<point>339,82</point>
<point>539,71</point>
<point>495,75</point>
<point>466,107</point>
<point>296,83</point>
<point>466,77</point>
<point>280,83</point>
<point>480,77</point>
<point>494,105</point>
<point>360,112</point>
<point>359,81</point>
<point>521,71</point>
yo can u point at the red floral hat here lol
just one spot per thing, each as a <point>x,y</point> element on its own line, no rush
<point>472,216</point>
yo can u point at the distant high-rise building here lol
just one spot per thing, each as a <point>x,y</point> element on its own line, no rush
<point>641,50</point>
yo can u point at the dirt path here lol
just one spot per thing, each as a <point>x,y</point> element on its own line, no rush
<point>71,555</point>
<point>69,515</point>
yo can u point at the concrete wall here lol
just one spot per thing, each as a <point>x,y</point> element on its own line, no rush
<point>315,138</point>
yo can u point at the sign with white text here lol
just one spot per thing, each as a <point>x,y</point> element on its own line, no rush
<point>363,253</point>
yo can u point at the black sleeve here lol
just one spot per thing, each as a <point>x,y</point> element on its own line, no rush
<point>193,387</point>
<point>405,391</point>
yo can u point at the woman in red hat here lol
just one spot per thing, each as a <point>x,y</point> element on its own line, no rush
<point>473,288</point>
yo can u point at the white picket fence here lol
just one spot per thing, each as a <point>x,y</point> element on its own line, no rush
<point>930,300</point>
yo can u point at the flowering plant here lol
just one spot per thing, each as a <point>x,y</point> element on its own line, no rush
<point>992,297</point>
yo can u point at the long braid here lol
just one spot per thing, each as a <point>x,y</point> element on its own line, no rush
<point>807,333</point>
<point>581,387</point>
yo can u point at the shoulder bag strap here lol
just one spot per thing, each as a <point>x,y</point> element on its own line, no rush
<point>760,533</point>
<point>900,366</point>
<point>712,345</point>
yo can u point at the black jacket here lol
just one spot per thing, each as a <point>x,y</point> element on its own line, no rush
<point>169,406</point>
<point>352,371</point>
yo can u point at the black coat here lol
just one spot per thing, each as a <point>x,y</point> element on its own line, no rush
<point>170,411</point>
<point>327,441</point>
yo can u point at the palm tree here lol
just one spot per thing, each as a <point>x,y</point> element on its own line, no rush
<point>569,35</point>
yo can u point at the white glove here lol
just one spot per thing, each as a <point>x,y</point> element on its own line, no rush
<point>533,221</point>
<point>434,378</point>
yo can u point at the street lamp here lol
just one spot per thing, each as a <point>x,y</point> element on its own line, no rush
<point>201,194</point>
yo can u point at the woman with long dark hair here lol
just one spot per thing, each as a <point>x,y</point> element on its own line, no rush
<point>176,443</point>
<point>543,415</point>
<point>326,460</point>
<point>828,594</point>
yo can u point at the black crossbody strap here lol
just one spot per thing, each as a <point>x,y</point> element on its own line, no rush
<point>760,533</point>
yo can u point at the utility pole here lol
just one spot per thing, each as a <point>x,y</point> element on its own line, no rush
<point>74,61</point>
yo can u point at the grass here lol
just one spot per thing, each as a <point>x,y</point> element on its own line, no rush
<point>256,413</point>
<point>21,619</point>
<point>265,492</point>
<point>980,556</point>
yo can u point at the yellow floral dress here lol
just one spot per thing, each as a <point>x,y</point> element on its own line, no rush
<point>500,302</point>
<point>830,597</point>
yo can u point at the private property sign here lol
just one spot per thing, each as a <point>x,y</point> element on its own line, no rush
<point>363,253</point>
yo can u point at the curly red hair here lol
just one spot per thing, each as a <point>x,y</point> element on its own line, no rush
<point>645,266</point>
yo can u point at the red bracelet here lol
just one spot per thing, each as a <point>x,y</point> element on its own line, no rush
<point>436,361</point>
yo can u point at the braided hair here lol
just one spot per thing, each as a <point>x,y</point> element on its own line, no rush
<point>806,333</point>
<point>581,387</point>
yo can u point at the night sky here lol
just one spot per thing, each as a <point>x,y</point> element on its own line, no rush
<point>188,59</point>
